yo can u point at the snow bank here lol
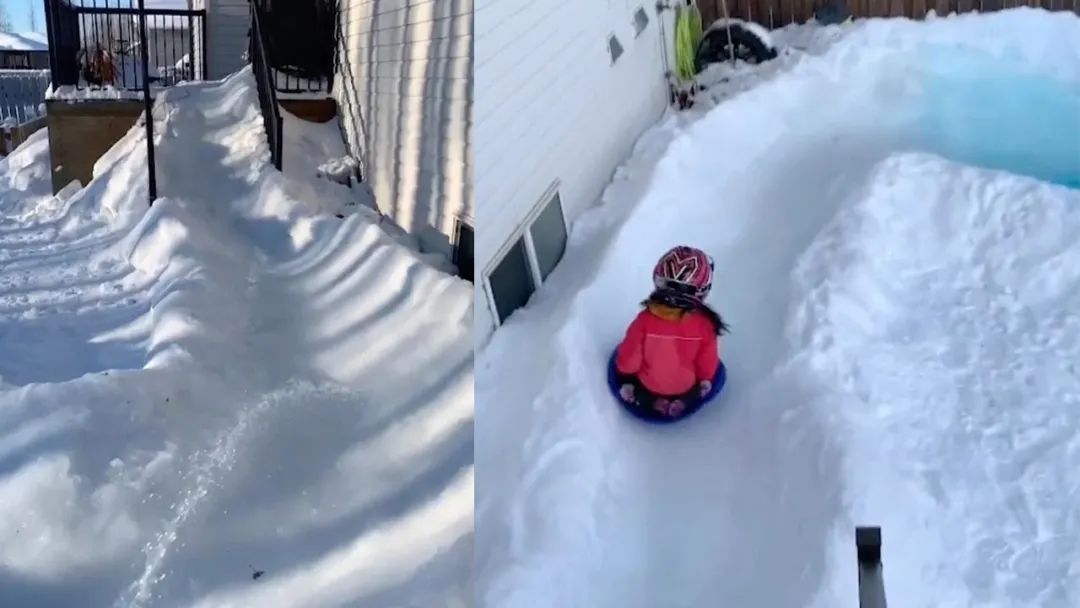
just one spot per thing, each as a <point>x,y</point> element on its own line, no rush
<point>755,501</point>
<point>25,179</point>
<point>193,391</point>
<point>944,338</point>
<point>1019,37</point>
<point>315,152</point>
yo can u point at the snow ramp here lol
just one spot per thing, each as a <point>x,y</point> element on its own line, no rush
<point>233,398</point>
<point>902,288</point>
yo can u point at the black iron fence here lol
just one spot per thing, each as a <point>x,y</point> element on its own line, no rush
<point>264,81</point>
<point>123,45</point>
<point>300,43</point>
<point>98,43</point>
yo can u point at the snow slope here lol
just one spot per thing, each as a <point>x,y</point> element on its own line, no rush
<point>234,380</point>
<point>902,286</point>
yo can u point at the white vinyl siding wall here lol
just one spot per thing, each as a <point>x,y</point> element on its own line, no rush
<point>405,99</point>
<point>227,23</point>
<point>197,56</point>
<point>550,107</point>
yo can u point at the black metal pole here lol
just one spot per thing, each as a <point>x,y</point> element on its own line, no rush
<point>54,46</point>
<point>202,43</point>
<point>871,580</point>
<point>148,107</point>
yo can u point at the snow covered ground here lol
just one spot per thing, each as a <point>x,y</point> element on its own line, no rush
<point>895,215</point>
<point>233,381</point>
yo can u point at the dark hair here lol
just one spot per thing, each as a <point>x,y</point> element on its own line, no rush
<point>717,321</point>
<point>685,303</point>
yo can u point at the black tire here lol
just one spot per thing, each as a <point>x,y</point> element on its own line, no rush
<point>713,47</point>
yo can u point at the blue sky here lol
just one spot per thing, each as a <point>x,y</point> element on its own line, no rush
<point>20,11</point>
<point>20,14</point>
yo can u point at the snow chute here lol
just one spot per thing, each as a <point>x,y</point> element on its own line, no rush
<point>656,417</point>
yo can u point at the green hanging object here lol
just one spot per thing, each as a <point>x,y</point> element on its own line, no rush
<point>695,24</point>
<point>688,32</point>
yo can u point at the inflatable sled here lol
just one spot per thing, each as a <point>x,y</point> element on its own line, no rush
<point>650,415</point>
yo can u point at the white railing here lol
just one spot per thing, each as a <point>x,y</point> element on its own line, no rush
<point>22,93</point>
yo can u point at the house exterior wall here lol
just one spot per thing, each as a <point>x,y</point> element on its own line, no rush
<point>404,96</point>
<point>227,23</point>
<point>551,107</point>
<point>198,32</point>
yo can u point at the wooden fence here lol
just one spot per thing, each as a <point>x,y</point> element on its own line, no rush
<point>778,13</point>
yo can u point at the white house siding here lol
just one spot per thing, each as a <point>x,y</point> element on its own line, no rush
<point>227,23</point>
<point>551,106</point>
<point>405,97</point>
<point>197,56</point>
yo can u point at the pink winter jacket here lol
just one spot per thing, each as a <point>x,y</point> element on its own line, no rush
<point>669,351</point>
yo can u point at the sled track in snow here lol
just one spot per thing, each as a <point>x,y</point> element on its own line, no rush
<point>189,392</point>
<point>755,500</point>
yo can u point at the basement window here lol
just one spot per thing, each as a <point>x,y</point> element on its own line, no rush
<point>615,48</point>
<point>641,21</point>
<point>537,251</point>
<point>463,250</point>
<point>512,281</point>
<point>548,235</point>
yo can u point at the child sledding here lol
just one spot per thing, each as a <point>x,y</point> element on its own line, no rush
<point>668,364</point>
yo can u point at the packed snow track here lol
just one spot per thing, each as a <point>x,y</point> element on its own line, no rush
<point>899,267</point>
<point>225,383</point>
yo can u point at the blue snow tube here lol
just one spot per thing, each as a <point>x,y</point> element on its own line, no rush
<point>655,416</point>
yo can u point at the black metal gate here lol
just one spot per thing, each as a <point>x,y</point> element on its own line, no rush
<point>300,43</point>
<point>97,44</point>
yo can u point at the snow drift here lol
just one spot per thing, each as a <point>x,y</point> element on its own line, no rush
<point>900,287</point>
<point>234,380</point>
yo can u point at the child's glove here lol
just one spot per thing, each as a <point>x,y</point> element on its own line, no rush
<point>676,408</point>
<point>705,386</point>
<point>626,391</point>
<point>669,408</point>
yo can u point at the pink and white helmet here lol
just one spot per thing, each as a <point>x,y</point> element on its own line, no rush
<point>685,270</point>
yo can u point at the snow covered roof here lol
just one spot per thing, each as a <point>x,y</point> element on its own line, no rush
<point>27,41</point>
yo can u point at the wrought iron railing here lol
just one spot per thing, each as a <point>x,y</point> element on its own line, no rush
<point>264,81</point>
<point>98,43</point>
<point>300,43</point>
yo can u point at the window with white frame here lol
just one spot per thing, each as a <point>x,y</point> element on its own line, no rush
<point>548,234</point>
<point>535,253</point>
<point>511,282</point>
